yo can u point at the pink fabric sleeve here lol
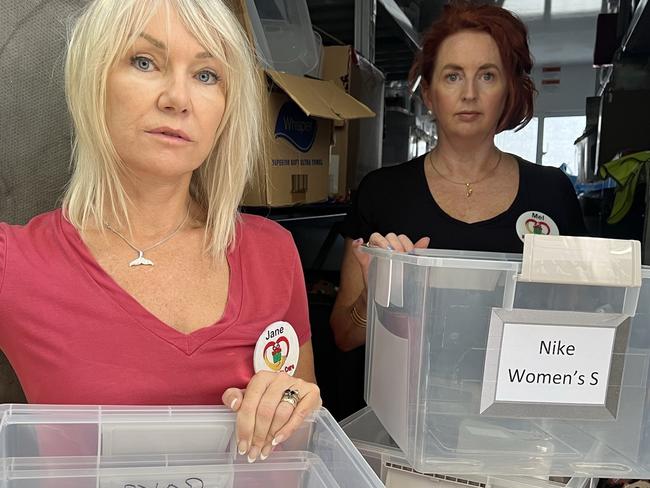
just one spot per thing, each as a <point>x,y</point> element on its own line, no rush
<point>298,311</point>
<point>3,255</point>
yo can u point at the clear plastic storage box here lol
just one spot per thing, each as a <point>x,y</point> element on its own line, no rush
<point>284,37</point>
<point>481,363</point>
<point>160,447</point>
<point>384,456</point>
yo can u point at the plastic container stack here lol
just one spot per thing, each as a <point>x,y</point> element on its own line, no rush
<point>284,37</point>
<point>387,460</point>
<point>181,447</point>
<point>484,364</point>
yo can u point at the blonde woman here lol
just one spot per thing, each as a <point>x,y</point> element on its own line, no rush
<point>147,286</point>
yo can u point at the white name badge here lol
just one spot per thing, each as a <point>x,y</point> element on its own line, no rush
<point>277,349</point>
<point>536,223</point>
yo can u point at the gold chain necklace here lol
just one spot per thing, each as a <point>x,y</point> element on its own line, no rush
<point>468,185</point>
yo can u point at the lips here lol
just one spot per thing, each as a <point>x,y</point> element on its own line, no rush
<point>170,132</point>
<point>468,116</point>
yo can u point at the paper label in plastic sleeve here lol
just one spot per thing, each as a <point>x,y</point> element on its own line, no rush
<point>554,364</point>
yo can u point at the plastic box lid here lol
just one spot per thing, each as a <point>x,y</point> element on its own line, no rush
<point>188,447</point>
<point>382,453</point>
<point>283,35</point>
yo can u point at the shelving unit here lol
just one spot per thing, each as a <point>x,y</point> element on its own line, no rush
<point>637,39</point>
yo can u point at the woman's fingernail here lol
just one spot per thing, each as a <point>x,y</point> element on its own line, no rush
<point>253,453</point>
<point>265,452</point>
<point>232,404</point>
<point>242,447</point>
<point>389,247</point>
<point>277,440</point>
<point>358,241</point>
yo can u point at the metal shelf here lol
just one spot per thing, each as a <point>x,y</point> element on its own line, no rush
<point>637,37</point>
<point>312,211</point>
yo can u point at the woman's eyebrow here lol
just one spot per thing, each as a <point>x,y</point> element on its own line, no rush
<point>453,66</point>
<point>158,44</point>
<point>460,68</point>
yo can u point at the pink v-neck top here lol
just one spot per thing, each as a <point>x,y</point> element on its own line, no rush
<point>74,336</point>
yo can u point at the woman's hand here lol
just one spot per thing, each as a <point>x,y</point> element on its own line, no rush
<point>391,241</point>
<point>264,419</point>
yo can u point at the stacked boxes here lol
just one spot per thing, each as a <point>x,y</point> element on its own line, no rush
<point>357,142</point>
<point>190,447</point>
<point>301,111</point>
<point>494,364</point>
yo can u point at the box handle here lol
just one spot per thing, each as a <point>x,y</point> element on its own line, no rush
<point>581,261</point>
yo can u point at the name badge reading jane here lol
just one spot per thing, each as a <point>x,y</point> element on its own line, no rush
<point>277,349</point>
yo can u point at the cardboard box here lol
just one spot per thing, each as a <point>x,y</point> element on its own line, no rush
<point>357,143</point>
<point>301,111</point>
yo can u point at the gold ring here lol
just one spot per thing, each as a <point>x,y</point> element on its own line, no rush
<point>290,396</point>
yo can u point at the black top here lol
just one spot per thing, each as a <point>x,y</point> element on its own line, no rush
<point>397,199</point>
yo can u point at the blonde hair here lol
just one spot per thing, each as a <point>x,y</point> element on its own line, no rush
<point>102,35</point>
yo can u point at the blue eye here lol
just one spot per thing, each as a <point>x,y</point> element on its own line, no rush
<point>207,77</point>
<point>488,76</point>
<point>453,77</point>
<point>142,63</point>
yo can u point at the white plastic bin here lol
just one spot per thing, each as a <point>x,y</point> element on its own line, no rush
<point>382,454</point>
<point>181,447</point>
<point>442,326</point>
<point>283,35</point>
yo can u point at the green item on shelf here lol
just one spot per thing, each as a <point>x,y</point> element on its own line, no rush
<point>625,171</point>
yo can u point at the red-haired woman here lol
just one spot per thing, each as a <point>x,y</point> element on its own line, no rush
<point>474,69</point>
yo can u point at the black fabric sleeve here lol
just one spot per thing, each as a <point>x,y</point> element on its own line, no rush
<point>357,223</point>
<point>571,207</point>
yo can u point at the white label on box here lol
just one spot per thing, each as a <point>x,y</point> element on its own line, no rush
<point>554,364</point>
<point>334,173</point>
<point>148,477</point>
<point>131,438</point>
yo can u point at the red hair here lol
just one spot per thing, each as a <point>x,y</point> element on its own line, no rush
<point>511,37</point>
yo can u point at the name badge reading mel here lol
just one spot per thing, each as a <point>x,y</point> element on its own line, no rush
<point>535,223</point>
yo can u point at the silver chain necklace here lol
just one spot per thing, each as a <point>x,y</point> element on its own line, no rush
<point>141,260</point>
